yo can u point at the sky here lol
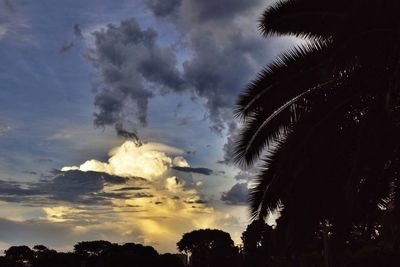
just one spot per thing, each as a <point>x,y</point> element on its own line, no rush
<point>116,118</point>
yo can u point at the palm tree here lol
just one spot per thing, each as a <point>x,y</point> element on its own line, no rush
<point>328,113</point>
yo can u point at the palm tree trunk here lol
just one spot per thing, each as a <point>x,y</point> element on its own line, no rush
<point>327,247</point>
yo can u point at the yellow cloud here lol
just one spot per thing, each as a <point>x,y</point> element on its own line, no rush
<point>59,214</point>
<point>162,209</point>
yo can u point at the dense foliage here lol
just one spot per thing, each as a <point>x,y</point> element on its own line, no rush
<point>204,247</point>
<point>328,113</point>
<point>209,247</point>
<point>90,254</point>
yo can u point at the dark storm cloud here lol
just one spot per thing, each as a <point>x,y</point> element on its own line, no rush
<point>75,186</point>
<point>162,8</point>
<point>70,186</point>
<point>225,55</point>
<point>127,58</point>
<point>226,52</point>
<point>203,171</point>
<point>218,71</point>
<point>237,195</point>
<point>119,128</point>
<point>10,188</point>
<point>78,31</point>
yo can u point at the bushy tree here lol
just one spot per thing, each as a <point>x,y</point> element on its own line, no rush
<point>19,254</point>
<point>91,248</point>
<point>209,247</point>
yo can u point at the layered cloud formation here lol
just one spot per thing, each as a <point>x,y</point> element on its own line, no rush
<point>176,66</point>
<point>216,54</point>
<point>143,192</point>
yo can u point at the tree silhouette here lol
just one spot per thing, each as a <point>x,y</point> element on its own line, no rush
<point>258,243</point>
<point>328,112</point>
<point>170,260</point>
<point>6,262</point>
<point>129,253</point>
<point>98,253</point>
<point>209,248</point>
<point>91,248</point>
<point>19,254</point>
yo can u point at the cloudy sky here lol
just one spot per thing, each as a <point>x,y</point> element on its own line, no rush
<point>116,118</point>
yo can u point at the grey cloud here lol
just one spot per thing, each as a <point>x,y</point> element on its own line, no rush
<point>226,51</point>
<point>78,31</point>
<point>229,146</point>
<point>142,195</point>
<point>9,5</point>
<point>245,175</point>
<point>10,188</point>
<point>13,24</point>
<point>237,195</point>
<point>127,58</point>
<point>75,185</point>
<point>121,131</point>
<point>30,172</point>
<point>199,201</point>
<point>212,10</point>
<point>203,171</point>
<point>163,8</point>
<point>160,68</point>
<point>44,160</point>
<point>185,177</point>
<point>70,186</point>
<point>131,188</point>
<point>184,121</point>
<point>4,128</point>
<point>66,46</point>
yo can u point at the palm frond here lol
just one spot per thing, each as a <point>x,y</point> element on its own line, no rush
<point>303,18</point>
<point>285,160</point>
<point>258,193</point>
<point>255,134</point>
<point>283,79</point>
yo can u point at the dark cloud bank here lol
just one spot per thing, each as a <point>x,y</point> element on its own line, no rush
<point>73,186</point>
<point>203,171</point>
<point>86,188</point>
<point>226,52</point>
<point>237,195</point>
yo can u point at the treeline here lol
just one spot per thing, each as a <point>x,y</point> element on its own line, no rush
<point>265,246</point>
<point>90,254</point>
<point>262,247</point>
